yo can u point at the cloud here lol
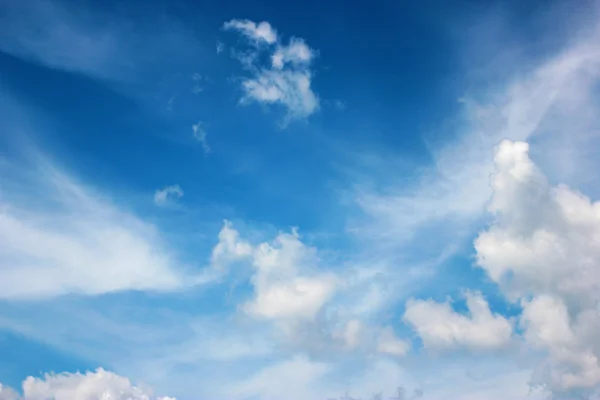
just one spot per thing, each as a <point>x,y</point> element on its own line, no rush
<point>261,32</point>
<point>296,53</point>
<point>283,283</point>
<point>163,196</point>
<point>7,393</point>
<point>220,47</point>
<point>545,239</point>
<point>100,384</point>
<point>84,243</point>
<point>287,80</point>
<point>442,328</point>
<point>388,343</point>
<point>200,135</point>
<point>543,247</point>
<point>450,195</point>
<point>91,41</point>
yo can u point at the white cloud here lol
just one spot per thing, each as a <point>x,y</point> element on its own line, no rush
<point>544,244</point>
<point>163,196</point>
<point>100,384</point>
<point>451,194</point>
<point>388,343</point>
<point>286,285</point>
<point>230,247</point>
<point>440,327</point>
<point>83,242</point>
<point>296,52</point>
<point>351,335</point>
<point>292,379</point>
<point>200,135</point>
<point>287,87</point>
<point>545,239</point>
<point>287,81</point>
<point>7,393</point>
<point>261,32</point>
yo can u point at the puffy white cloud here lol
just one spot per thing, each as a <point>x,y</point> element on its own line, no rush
<point>7,393</point>
<point>287,285</point>
<point>162,196</point>
<point>98,385</point>
<point>440,327</point>
<point>285,281</point>
<point>544,239</point>
<point>544,247</point>
<point>83,242</point>
<point>287,80</point>
<point>230,247</point>
<point>388,343</point>
<point>261,32</point>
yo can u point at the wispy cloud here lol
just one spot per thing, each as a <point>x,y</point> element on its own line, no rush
<point>451,193</point>
<point>84,40</point>
<point>84,243</point>
<point>200,135</point>
<point>163,196</point>
<point>287,80</point>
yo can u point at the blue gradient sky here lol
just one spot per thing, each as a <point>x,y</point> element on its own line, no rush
<point>268,200</point>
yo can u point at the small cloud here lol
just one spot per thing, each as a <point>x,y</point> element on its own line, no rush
<point>339,105</point>
<point>170,104</point>
<point>197,89</point>
<point>257,33</point>
<point>196,77</point>
<point>200,135</point>
<point>163,196</point>
<point>220,47</point>
<point>287,80</point>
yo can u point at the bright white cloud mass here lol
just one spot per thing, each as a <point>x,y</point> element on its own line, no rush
<point>287,80</point>
<point>406,248</point>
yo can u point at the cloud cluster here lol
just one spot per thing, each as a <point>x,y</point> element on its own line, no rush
<point>442,328</point>
<point>287,284</point>
<point>287,77</point>
<point>543,249</point>
<point>99,384</point>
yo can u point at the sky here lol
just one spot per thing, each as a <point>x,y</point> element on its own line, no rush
<point>299,201</point>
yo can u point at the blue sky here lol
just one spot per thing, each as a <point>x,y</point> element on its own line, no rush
<point>266,200</point>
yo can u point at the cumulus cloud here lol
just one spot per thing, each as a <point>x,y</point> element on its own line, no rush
<point>169,193</point>
<point>287,80</point>
<point>545,239</point>
<point>99,384</point>
<point>441,328</point>
<point>550,102</point>
<point>544,247</point>
<point>286,285</point>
